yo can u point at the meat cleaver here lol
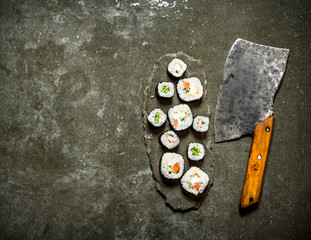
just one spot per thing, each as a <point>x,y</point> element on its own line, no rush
<point>252,75</point>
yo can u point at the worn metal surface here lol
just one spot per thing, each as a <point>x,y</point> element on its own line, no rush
<point>173,193</point>
<point>251,77</point>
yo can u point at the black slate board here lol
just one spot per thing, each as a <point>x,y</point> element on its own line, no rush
<point>174,194</point>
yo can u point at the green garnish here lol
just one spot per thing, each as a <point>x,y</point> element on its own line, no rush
<point>157,117</point>
<point>203,122</point>
<point>195,150</point>
<point>177,71</point>
<point>190,185</point>
<point>165,89</point>
<point>171,135</point>
<point>188,90</point>
<point>182,119</point>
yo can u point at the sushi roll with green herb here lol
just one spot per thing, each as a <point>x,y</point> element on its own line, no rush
<point>157,117</point>
<point>176,68</point>
<point>190,89</point>
<point>200,123</point>
<point>169,139</point>
<point>195,151</point>
<point>165,90</point>
<point>172,166</point>
<point>194,182</point>
<point>180,117</point>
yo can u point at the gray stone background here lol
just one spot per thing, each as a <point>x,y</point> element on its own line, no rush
<point>73,159</point>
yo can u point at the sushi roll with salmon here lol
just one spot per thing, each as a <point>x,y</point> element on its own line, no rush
<point>165,90</point>
<point>177,67</point>
<point>200,123</point>
<point>157,117</point>
<point>190,89</point>
<point>169,139</point>
<point>172,166</point>
<point>194,182</point>
<point>180,117</point>
<point>195,151</point>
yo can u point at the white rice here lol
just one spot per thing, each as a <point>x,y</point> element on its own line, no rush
<point>180,117</point>
<point>195,151</point>
<point>168,162</point>
<point>165,89</point>
<point>200,123</point>
<point>177,67</point>
<point>195,181</point>
<point>190,89</point>
<point>169,139</point>
<point>157,117</point>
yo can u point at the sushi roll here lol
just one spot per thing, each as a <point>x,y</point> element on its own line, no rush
<point>190,89</point>
<point>194,181</point>
<point>165,89</point>
<point>169,139</point>
<point>200,123</point>
<point>172,166</point>
<point>180,117</point>
<point>195,151</point>
<point>176,67</point>
<point>157,117</point>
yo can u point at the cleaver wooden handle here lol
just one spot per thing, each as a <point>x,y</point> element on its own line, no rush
<point>257,163</point>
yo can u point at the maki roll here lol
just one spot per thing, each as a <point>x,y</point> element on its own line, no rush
<point>180,117</point>
<point>177,67</point>
<point>165,89</point>
<point>190,89</point>
<point>194,181</point>
<point>200,123</point>
<point>157,117</point>
<point>172,166</point>
<point>169,139</point>
<point>195,151</point>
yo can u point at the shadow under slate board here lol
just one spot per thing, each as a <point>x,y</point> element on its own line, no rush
<point>173,193</point>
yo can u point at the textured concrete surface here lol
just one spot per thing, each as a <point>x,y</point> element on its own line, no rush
<point>73,160</point>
